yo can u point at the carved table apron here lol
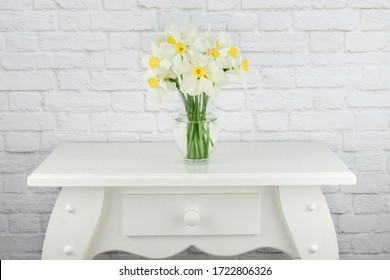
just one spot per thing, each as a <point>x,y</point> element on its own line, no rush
<point>143,199</point>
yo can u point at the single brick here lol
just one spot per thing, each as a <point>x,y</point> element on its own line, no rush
<point>26,81</point>
<point>74,21</point>
<point>24,224</point>
<point>278,78</point>
<point>72,122</point>
<point>69,80</point>
<point>122,41</point>
<point>372,120</point>
<point>274,42</point>
<point>321,121</point>
<point>367,42</point>
<point>21,142</point>
<point>15,183</point>
<point>72,41</point>
<point>129,101</point>
<point>123,21</point>
<point>119,5</point>
<point>341,20</point>
<point>229,121</point>
<point>373,204</point>
<point>122,59</point>
<point>222,5</point>
<point>77,101</point>
<point>27,21</point>
<point>27,121</point>
<point>227,20</point>
<point>117,80</point>
<point>22,42</point>
<point>366,141</point>
<point>172,3</point>
<point>274,21</point>
<point>25,101</point>
<point>327,42</point>
<point>265,4</point>
<point>123,122</point>
<point>272,121</point>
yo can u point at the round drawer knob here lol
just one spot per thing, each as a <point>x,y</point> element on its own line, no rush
<point>70,208</point>
<point>311,207</point>
<point>68,250</point>
<point>313,248</point>
<point>191,218</point>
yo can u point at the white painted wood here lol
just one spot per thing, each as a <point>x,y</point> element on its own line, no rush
<point>274,232</point>
<point>72,223</point>
<point>231,164</point>
<point>207,214</point>
<point>143,199</point>
<point>311,227</point>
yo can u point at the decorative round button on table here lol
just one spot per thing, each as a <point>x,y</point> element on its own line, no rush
<point>70,208</point>
<point>311,207</point>
<point>68,250</point>
<point>191,218</point>
<point>313,248</point>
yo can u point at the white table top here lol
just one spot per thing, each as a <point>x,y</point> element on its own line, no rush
<point>158,164</point>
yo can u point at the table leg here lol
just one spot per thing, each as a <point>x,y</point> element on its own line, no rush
<point>309,221</point>
<point>72,223</point>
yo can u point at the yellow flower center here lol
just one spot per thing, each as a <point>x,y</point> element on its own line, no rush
<point>180,48</point>
<point>171,40</point>
<point>153,62</point>
<point>214,52</point>
<point>244,65</point>
<point>153,83</point>
<point>232,52</point>
<point>198,71</point>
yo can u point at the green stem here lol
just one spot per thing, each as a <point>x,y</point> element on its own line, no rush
<point>198,134</point>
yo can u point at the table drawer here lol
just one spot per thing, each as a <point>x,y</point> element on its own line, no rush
<point>190,214</point>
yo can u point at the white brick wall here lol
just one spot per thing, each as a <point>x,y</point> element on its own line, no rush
<point>320,71</point>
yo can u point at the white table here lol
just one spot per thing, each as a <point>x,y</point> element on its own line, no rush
<point>143,199</point>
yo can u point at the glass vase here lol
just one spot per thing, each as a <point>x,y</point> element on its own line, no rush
<point>195,136</point>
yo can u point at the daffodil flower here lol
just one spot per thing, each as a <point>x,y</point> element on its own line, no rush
<point>202,75</point>
<point>178,45</point>
<point>210,46</point>
<point>157,83</point>
<point>239,69</point>
<point>154,60</point>
<point>228,51</point>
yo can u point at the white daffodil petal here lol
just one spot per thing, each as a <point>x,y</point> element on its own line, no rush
<point>177,65</point>
<point>154,48</point>
<point>189,34</point>
<point>164,63</point>
<point>166,51</point>
<point>161,38</point>
<point>145,61</point>
<point>221,80</point>
<point>173,30</point>
<point>206,86</point>
<point>224,39</point>
<point>216,74</point>
<point>196,90</point>
<point>199,45</point>
<point>189,84</point>
<point>160,94</point>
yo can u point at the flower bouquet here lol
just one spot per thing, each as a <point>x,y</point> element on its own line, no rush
<point>196,67</point>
